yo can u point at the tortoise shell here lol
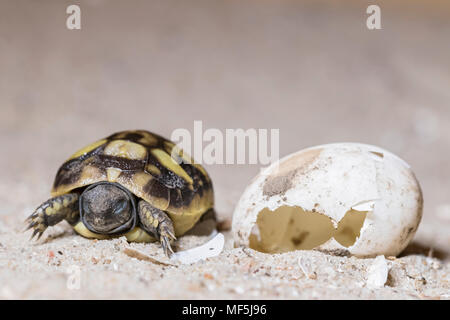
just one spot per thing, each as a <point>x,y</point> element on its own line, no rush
<point>148,165</point>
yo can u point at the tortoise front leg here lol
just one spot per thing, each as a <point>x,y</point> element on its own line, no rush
<point>158,224</point>
<point>52,212</point>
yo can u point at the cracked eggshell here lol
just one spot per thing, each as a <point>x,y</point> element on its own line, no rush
<point>332,180</point>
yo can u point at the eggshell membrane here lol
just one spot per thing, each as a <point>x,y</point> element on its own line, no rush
<point>332,180</point>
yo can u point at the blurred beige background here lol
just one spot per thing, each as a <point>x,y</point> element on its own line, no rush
<point>310,68</point>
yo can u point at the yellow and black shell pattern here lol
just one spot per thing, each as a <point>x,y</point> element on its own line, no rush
<point>148,165</point>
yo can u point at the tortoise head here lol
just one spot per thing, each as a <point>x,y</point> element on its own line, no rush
<point>108,208</point>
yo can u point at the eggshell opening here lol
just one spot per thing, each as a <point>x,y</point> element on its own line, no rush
<point>293,228</point>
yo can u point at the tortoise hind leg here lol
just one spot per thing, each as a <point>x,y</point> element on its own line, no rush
<point>52,212</point>
<point>158,224</point>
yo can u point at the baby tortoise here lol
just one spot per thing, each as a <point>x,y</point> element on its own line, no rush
<point>132,183</point>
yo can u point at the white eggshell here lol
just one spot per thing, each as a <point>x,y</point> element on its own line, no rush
<point>331,180</point>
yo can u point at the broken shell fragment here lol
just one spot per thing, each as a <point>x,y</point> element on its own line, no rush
<point>210,249</point>
<point>378,273</point>
<point>343,198</point>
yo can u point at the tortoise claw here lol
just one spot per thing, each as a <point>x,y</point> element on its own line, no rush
<point>165,243</point>
<point>38,233</point>
<point>31,225</point>
<point>166,235</point>
<point>170,235</point>
<point>37,223</point>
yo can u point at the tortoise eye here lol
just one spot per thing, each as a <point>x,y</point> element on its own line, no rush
<point>121,206</point>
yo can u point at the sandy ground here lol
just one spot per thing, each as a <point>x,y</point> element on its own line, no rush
<point>46,270</point>
<point>310,69</point>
